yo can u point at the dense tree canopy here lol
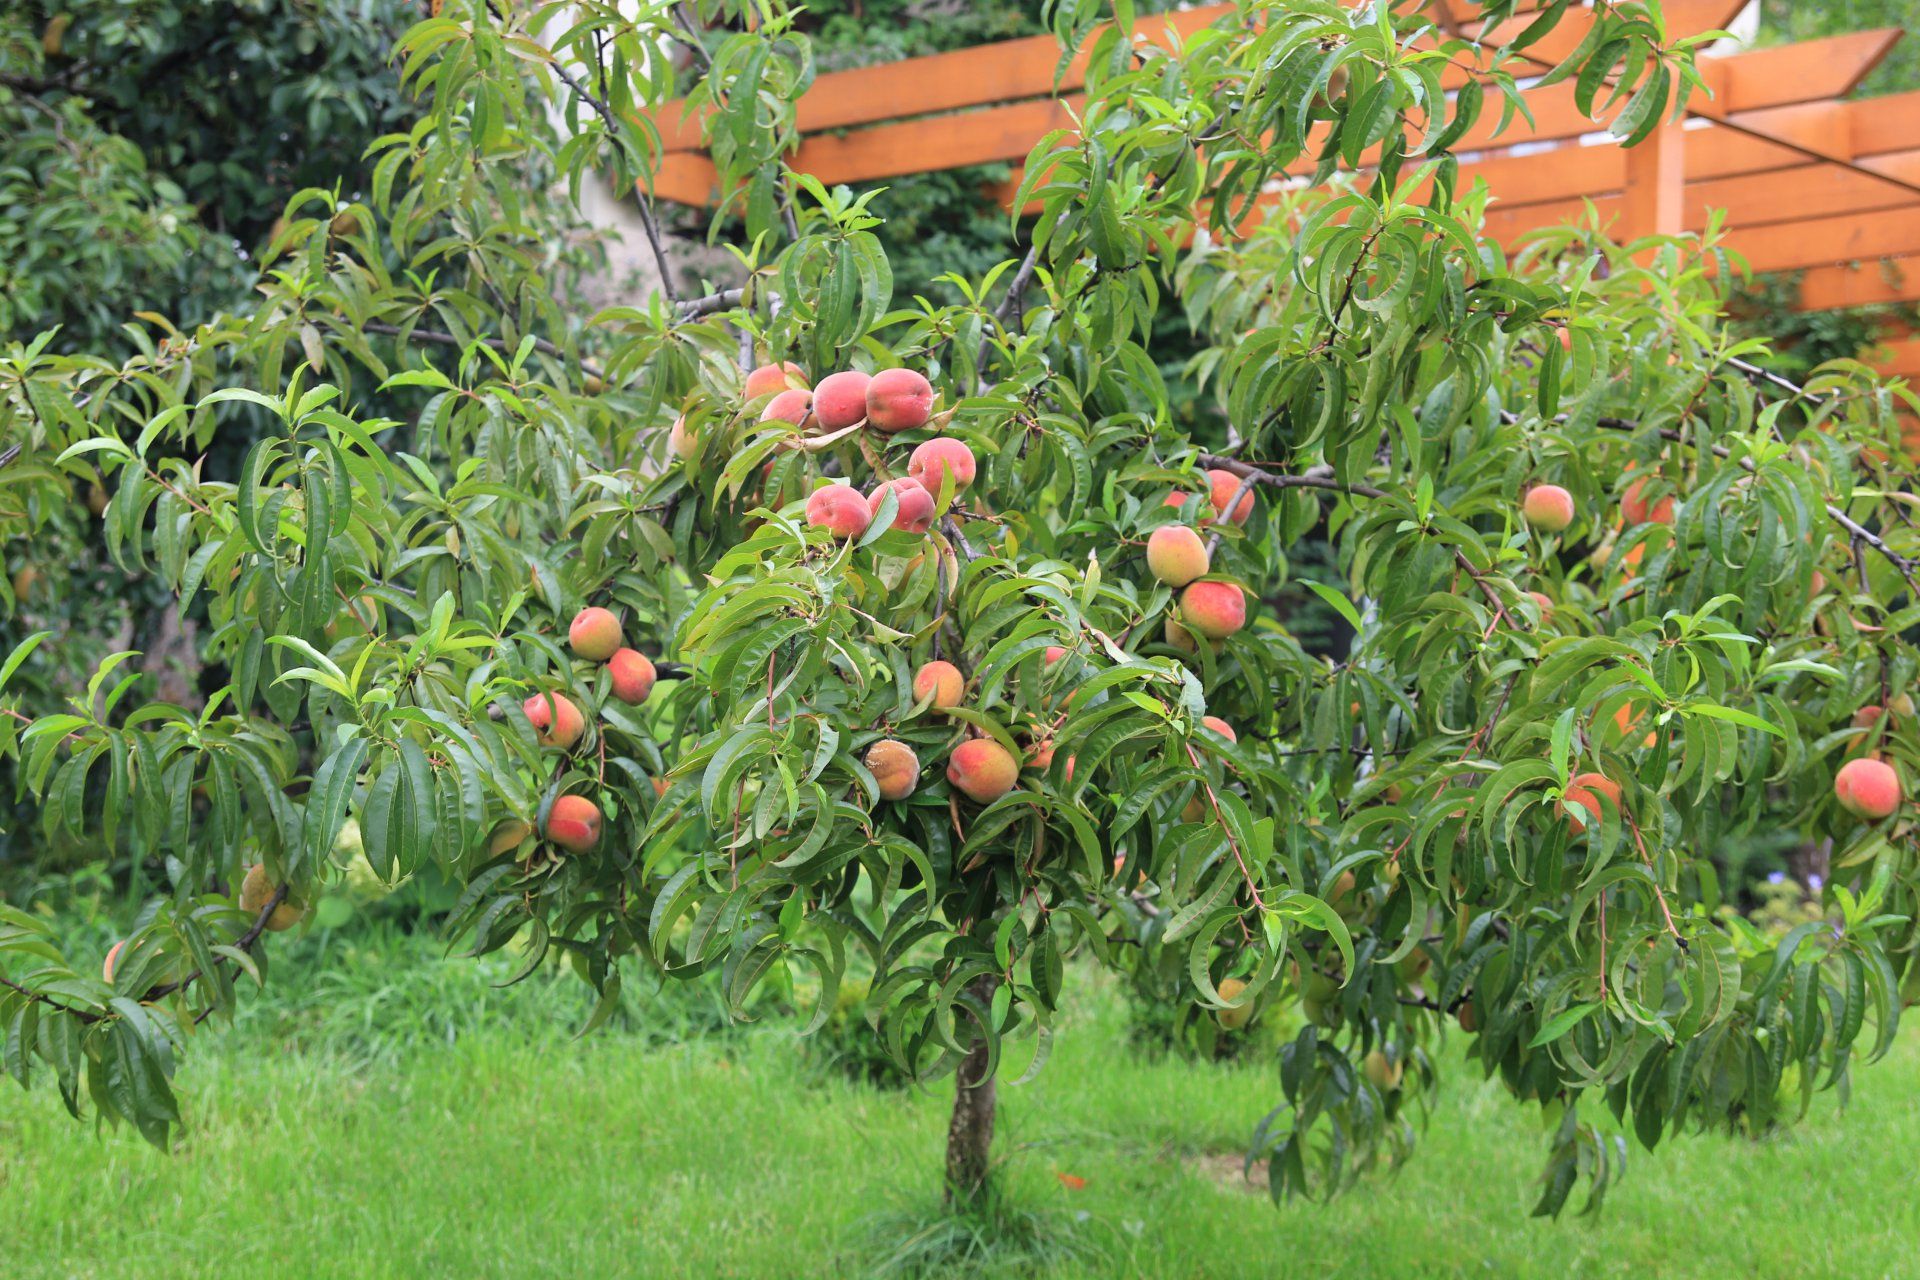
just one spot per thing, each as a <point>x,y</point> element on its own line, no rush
<point>681,655</point>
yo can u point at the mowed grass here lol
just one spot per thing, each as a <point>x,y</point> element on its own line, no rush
<point>509,1154</point>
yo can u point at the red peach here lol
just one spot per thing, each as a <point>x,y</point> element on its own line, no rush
<point>1584,792</point>
<point>895,768</point>
<point>1224,484</point>
<point>770,378</point>
<point>1054,653</point>
<point>1545,602</point>
<point>1548,506</point>
<point>633,675</point>
<point>841,399</point>
<point>1175,555</point>
<point>573,823</point>
<point>555,719</point>
<point>1220,727</point>
<point>788,406</point>
<point>942,454</point>
<point>983,769</point>
<point>1867,788</point>
<point>1213,609</point>
<point>113,957</point>
<point>595,634</point>
<point>942,682</point>
<point>1634,508</point>
<point>915,514</point>
<point>840,510</point>
<point>898,400</point>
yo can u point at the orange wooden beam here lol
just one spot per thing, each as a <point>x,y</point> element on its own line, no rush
<point>1862,284</point>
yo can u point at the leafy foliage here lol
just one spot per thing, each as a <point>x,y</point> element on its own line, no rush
<point>1404,836</point>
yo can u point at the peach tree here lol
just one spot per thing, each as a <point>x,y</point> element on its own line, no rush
<point>770,628</point>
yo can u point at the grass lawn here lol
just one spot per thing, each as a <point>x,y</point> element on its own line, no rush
<point>512,1155</point>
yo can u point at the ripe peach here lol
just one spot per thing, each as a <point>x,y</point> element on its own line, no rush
<point>898,400</point>
<point>789,406</point>
<point>895,768</point>
<point>1584,792</point>
<point>1054,653</point>
<point>256,891</point>
<point>573,823</point>
<point>983,769</point>
<point>1545,602</point>
<point>942,682</point>
<point>1220,727</point>
<point>1867,788</point>
<point>840,509</point>
<point>633,675</point>
<point>915,514</point>
<point>556,721</point>
<point>1175,554</point>
<point>1627,718</point>
<point>1548,506</point>
<point>681,441</point>
<point>1041,754</point>
<point>1224,484</point>
<point>595,634</point>
<point>1213,609</point>
<point>1635,509</point>
<point>770,378</point>
<point>113,956</point>
<point>938,458</point>
<point>841,399</point>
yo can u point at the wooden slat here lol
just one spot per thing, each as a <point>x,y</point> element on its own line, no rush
<point>1779,246</point>
<point>1866,284</point>
<point>1898,359</point>
<point>1004,71</point>
<point>1011,70</point>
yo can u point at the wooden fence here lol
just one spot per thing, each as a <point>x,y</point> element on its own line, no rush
<point>1810,182</point>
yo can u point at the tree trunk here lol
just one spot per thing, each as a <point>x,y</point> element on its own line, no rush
<point>970,1131</point>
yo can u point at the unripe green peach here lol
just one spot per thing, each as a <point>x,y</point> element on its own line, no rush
<point>681,441</point>
<point>1235,1018</point>
<point>898,400</point>
<point>1382,1073</point>
<point>1548,507</point>
<point>1213,609</point>
<point>556,721</point>
<point>506,836</point>
<point>895,768</point>
<point>594,634</point>
<point>983,769</point>
<point>1176,555</point>
<point>940,681</point>
<point>256,891</point>
<point>771,378</point>
<point>1867,788</point>
<point>573,823</point>
<point>840,509</point>
<point>841,399</point>
<point>632,675</point>
<point>938,458</point>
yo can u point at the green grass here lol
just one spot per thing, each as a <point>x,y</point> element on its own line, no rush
<point>512,1151</point>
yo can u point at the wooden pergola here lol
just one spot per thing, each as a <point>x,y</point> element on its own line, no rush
<point>1809,180</point>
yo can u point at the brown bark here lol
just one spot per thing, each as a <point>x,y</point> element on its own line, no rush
<point>970,1130</point>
